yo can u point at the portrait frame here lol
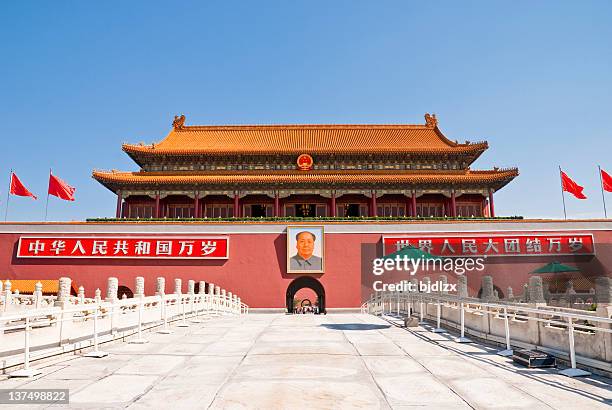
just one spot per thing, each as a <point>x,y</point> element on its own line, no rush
<point>293,259</point>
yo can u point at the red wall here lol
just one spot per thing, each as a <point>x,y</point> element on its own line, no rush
<point>256,269</point>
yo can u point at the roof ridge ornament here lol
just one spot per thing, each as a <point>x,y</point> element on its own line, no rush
<point>430,120</point>
<point>179,122</point>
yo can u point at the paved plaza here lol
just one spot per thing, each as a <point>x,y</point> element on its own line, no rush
<point>276,361</point>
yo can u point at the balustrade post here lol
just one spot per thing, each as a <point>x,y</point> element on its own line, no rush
<point>7,294</point>
<point>209,296</point>
<point>191,292</point>
<point>217,299</point>
<point>112,286</point>
<point>184,314</point>
<point>38,296</point>
<point>81,295</point>
<point>199,297</point>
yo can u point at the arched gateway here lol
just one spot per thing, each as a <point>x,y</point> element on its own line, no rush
<point>305,282</point>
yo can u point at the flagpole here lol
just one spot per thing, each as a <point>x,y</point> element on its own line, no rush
<point>8,195</point>
<point>47,205</point>
<point>603,197</point>
<point>562,193</point>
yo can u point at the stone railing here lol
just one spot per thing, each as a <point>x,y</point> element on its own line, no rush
<point>578,336</point>
<point>31,332</point>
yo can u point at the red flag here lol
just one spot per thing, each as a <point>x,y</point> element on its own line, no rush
<point>570,186</point>
<point>17,188</point>
<point>606,181</point>
<point>60,189</point>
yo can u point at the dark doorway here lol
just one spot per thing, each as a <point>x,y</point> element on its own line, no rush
<point>500,294</point>
<point>305,282</point>
<point>304,210</point>
<point>351,210</point>
<point>124,290</point>
<point>258,211</point>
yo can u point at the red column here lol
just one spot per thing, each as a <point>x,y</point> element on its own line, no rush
<point>119,204</point>
<point>453,210</point>
<point>203,207</point>
<point>332,204</point>
<point>196,206</point>
<point>236,206</point>
<point>157,205</point>
<point>414,211</point>
<point>373,211</point>
<point>491,206</point>
<point>276,205</point>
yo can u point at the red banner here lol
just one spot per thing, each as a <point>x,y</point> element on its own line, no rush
<point>495,245</point>
<point>124,247</point>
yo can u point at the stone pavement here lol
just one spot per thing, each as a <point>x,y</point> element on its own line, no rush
<point>336,361</point>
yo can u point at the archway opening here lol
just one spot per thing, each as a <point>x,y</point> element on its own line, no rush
<point>124,290</point>
<point>310,283</point>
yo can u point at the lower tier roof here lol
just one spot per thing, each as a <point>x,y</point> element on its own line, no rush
<point>114,180</point>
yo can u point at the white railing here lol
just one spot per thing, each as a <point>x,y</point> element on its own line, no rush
<point>482,317</point>
<point>79,326</point>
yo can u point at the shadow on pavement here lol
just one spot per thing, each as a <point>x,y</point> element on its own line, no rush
<point>355,326</point>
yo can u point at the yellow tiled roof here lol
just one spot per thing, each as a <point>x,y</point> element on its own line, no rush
<point>328,177</point>
<point>297,139</point>
<point>27,285</point>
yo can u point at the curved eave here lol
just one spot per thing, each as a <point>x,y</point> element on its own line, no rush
<point>144,154</point>
<point>495,178</point>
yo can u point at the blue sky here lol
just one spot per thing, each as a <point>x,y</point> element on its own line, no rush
<point>79,78</point>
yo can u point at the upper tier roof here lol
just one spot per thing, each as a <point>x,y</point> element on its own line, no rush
<point>312,139</point>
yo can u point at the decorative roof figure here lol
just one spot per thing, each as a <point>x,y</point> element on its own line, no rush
<point>179,122</point>
<point>431,121</point>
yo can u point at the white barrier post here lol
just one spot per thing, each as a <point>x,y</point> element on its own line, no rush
<point>409,305</point>
<point>573,371</point>
<point>462,338</point>
<point>96,353</point>
<point>26,371</point>
<point>139,340</point>
<point>398,303</point>
<point>422,313</point>
<point>438,329</point>
<point>508,351</point>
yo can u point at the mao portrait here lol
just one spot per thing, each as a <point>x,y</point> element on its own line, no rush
<point>305,249</point>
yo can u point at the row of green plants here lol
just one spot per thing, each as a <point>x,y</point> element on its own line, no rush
<point>305,219</point>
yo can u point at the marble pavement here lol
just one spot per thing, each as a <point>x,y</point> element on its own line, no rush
<point>338,361</point>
